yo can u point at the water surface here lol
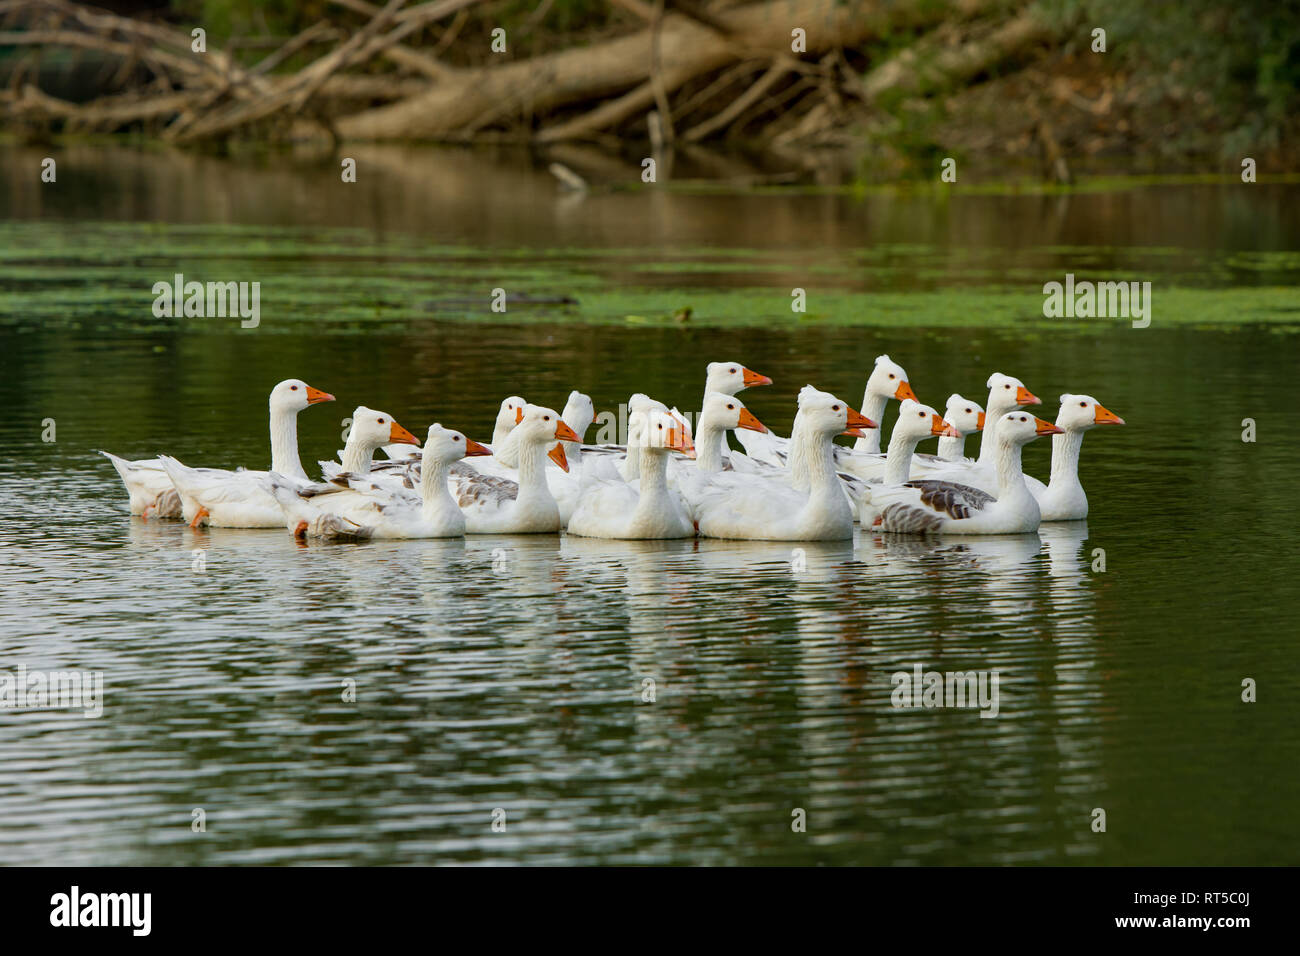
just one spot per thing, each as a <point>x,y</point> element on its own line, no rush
<point>510,672</point>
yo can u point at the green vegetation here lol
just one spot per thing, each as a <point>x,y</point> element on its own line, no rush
<point>74,276</point>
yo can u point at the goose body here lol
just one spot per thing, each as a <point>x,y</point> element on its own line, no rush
<point>358,508</point>
<point>496,505</point>
<point>916,423</point>
<point>752,506</point>
<point>148,487</point>
<point>933,506</point>
<point>647,509</point>
<point>238,499</point>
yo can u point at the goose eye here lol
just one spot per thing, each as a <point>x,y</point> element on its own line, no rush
<point>731,408</point>
<point>380,420</point>
<point>733,371</point>
<point>661,428</point>
<point>293,388</point>
<point>968,411</point>
<point>920,414</point>
<point>546,418</point>
<point>891,374</point>
<point>456,438</point>
<point>835,408</point>
<point>1006,386</point>
<point>1083,404</point>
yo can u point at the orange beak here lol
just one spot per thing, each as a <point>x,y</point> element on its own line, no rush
<point>979,422</point>
<point>940,427</point>
<point>678,440</point>
<point>315,395</point>
<point>473,448</point>
<point>749,421</point>
<point>397,435</point>
<point>856,421</point>
<point>1104,416</point>
<point>1025,397</point>
<point>565,433</point>
<point>753,378</point>
<point>557,455</point>
<point>1047,428</point>
<point>519,415</point>
<point>904,391</point>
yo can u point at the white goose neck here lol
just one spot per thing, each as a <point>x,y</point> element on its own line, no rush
<point>997,407</point>
<point>499,435</point>
<point>284,443</point>
<point>898,462</point>
<point>812,460</point>
<point>356,455</point>
<point>434,491</point>
<point>708,447</point>
<point>873,406</point>
<point>1065,458</point>
<point>1011,478</point>
<point>532,469</point>
<point>952,449</point>
<point>654,482</point>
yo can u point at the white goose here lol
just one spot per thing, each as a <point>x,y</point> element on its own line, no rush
<point>616,509</point>
<point>916,423</point>
<point>753,506</point>
<point>720,414</point>
<point>726,378</point>
<point>1063,499</point>
<point>1006,394</point>
<point>887,382</point>
<point>359,508</point>
<point>241,499</point>
<point>494,505</point>
<point>927,506</point>
<point>564,479</point>
<point>965,417</point>
<point>150,488</point>
<point>579,412</point>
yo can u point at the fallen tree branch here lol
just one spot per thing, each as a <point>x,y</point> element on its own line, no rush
<point>687,50</point>
<point>777,72</point>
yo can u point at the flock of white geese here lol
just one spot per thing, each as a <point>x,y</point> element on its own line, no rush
<point>669,481</point>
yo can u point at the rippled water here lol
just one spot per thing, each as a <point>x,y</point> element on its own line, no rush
<point>509,672</point>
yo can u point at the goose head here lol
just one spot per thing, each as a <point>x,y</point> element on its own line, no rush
<point>539,425</point>
<point>723,410</point>
<point>637,406</point>
<point>1081,412</point>
<point>663,433</point>
<point>293,395</point>
<point>731,377</point>
<point>1020,428</point>
<point>963,415</point>
<point>1007,392</point>
<point>443,446</point>
<point>888,380</point>
<point>509,413</point>
<point>372,428</point>
<point>825,414</point>
<point>579,412</point>
<point>919,422</point>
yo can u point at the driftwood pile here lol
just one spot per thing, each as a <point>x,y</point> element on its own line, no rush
<point>784,73</point>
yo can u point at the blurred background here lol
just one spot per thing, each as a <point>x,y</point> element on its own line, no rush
<point>831,91</point>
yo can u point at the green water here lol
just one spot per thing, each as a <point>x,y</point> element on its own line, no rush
<point>508,673</point>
